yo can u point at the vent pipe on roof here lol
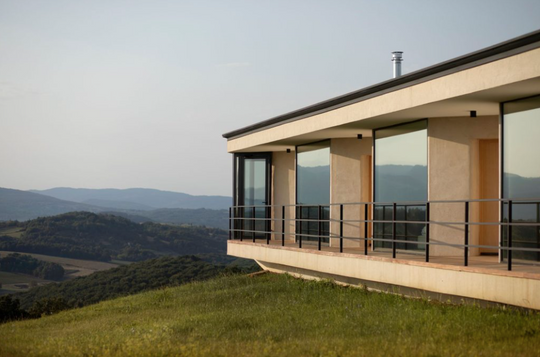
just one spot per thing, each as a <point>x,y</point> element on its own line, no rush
<point>396,58</point>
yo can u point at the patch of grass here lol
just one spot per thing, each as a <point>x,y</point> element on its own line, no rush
<point>274,315</point>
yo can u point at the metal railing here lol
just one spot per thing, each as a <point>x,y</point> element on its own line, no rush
<point>269,222</point>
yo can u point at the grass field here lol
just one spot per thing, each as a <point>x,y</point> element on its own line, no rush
<point>274,315</point>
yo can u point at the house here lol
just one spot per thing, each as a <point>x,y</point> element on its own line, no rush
<point>428,182</point>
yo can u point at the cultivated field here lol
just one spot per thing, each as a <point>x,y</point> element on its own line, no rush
<point>14,232</point>
<point>12,283</point>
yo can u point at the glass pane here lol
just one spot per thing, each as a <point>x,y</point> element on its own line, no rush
<point>401,163</point>
<point>313,187</point>
<point>401,176</point>
<point>521,179</point>
<point>254,182</point>
<point>255,195</point>
<point>313,173</point>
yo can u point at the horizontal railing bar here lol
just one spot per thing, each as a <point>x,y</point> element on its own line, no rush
<point>459,223</point>
<point>402,203</point>
<point>525,249</point>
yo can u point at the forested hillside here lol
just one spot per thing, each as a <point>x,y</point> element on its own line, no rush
<point>126,280</point>
<point>85,235</point>
<point>197,217</point>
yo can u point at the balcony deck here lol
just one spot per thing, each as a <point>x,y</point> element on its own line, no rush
<point>479,263</point>
<point>484,279</point>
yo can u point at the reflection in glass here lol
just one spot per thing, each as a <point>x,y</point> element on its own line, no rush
<point>254,182</point>
<point>255,195</point>
<point>401,176</point>
<point>521,178</point>
<point>313,190</point>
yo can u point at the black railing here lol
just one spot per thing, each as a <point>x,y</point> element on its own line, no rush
<point>257,223</point>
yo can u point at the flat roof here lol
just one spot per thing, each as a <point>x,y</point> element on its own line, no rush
<point>498,51</point>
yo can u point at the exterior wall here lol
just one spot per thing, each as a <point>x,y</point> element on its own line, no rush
<point>514,288</point>
<point>283,192</point>
<point>453,174</point>
<point>348,183</point>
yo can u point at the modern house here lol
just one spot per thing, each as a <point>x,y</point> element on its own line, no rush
<point>429,181</point>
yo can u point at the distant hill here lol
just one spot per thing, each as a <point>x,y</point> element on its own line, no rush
<point>180,216</point>
<point>85,235</point>
<point>24,205</point>
<point>118,204</point>
<point>137,198</point>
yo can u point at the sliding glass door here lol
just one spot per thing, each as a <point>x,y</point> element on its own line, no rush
<point>252,195</point>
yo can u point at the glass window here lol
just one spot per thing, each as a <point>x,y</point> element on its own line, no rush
<point>521,177</point>
<point>401,175</point>
<point>313,189</point>
<point>254,182</point>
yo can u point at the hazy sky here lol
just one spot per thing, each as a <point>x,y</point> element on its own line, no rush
<point>137,93</point>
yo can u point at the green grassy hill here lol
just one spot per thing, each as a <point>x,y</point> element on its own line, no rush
<point>273,315</point>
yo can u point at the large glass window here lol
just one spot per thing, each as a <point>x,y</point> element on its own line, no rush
<point>313,190</point>
<point>401,177</point>
<point>521,177</point>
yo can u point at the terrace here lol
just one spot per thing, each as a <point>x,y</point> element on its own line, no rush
<point>387,250</point>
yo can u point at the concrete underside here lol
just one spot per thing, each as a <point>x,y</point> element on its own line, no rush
<point>407,277</point>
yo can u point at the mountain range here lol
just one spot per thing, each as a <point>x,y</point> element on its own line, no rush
<point>136,198</point>
<point>138,205</point>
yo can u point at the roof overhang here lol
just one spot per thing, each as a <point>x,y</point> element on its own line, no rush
<point>479,81</point>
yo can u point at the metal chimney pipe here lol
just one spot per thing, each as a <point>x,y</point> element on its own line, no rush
<point>396,58</point>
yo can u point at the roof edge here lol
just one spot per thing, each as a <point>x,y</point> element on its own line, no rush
<point>476,58</point>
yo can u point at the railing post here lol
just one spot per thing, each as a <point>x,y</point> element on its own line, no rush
<point>537,230</point>
<point>267,223</point>
<point>341,228</point>
<point>253,223</point>
<point>466,250</point>
<point>230,223</point>
<point>319,230</point>
<point>242,223</point>
<point>427,232</point>
<point>509,235</point>
<point>283,226</point>
<point>394,231</point>
<point>366,228</point>
<point>301,221</point>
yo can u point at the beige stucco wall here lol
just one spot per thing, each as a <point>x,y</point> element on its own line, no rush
<point>348,183</point>
<point>453,174</point>
<point>283,192</point>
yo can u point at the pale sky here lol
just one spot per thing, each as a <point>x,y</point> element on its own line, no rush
<point>119,94</point>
